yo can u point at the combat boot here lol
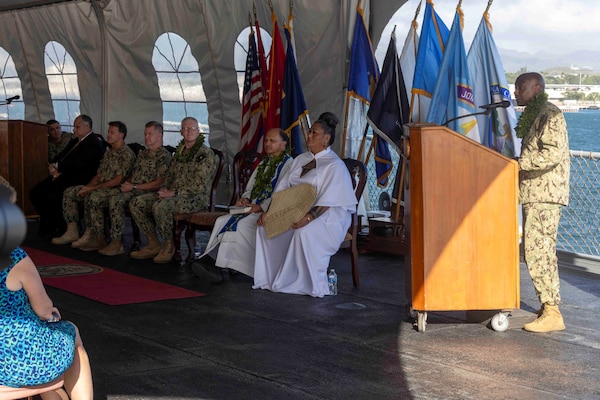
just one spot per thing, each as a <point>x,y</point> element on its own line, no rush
<point>550,320</point>
<point>114,248</point>
<point>166,253</point>
<point>95,243</point>
<point>70,235</point>
<point>87,235</point>
<point>149,251</point>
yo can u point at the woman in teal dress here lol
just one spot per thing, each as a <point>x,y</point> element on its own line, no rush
<point>36,347</point>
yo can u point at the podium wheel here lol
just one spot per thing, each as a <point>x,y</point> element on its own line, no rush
<point>422,321</point>
<point>500,322</point>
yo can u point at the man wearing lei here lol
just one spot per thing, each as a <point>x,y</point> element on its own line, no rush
<point>543,190</point>
<point>186,189</point>
<point>232,241</point>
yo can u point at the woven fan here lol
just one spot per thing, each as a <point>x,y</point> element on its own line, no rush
<point>287,207</point>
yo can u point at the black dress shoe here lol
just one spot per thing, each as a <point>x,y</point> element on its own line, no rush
<point>206,270</point>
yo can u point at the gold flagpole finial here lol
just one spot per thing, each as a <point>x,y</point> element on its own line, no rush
<point>254,10</point>
<point>461,15</point>
<point>486,15</point>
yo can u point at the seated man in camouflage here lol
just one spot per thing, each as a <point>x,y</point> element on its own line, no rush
<point>114,167</point>
<point>57,139</point>
<point>186,190</point>
<point>148,175</point>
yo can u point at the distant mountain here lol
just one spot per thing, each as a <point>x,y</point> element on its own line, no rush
<point>585,60</point>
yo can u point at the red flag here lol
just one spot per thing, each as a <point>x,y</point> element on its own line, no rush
<point>252,111</point>
<point>276,68</point>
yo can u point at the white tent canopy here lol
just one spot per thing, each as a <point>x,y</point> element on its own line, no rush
<point>112,41</point>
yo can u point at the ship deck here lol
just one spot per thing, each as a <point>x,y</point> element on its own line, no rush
<point>240,343</point>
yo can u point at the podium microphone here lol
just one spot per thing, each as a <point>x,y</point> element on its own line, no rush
<point>10,99</point>
<point>487,107</point>
<point>502,104</point>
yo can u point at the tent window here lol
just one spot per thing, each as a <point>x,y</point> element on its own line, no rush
<point>61,73</point>
<point>10,86</point>
<point>240,53</point>
<point>180,86</point>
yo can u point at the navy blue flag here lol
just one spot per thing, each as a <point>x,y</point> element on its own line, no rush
<point>388,111</point>
<point>294,113</point>
<point>362,79</point>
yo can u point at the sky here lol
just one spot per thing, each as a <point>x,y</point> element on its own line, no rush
<point>551,26</point>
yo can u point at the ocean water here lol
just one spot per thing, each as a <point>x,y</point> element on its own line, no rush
<point>584,130</point>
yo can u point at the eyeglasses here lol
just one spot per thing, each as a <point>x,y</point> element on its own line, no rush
<point>189,128</point>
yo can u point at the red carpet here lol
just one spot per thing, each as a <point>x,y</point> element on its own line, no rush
<point>100,284</point>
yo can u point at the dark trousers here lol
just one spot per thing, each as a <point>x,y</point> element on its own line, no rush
<point>46,198</point>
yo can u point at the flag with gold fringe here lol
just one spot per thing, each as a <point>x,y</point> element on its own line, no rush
<point>362,79</point>
<point>389,108</point>
<point>432,42</point>
<point>496,129</point>
<point>452,101</point>
<point>294,113</point>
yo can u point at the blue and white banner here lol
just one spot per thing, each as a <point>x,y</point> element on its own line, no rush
<point>452,101</point>
<point>497,129</point>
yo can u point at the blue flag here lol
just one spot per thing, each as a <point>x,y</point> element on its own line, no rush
<point>430,51</point>
<point>388,111</point>
<point>452,100</point>
<point>293,107</point>
<point>497,129</point>
<point>364,71</point>
<point>362,79</point>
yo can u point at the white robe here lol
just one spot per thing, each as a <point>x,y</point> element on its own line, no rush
<point>235,249</point>
<point>296,261</point>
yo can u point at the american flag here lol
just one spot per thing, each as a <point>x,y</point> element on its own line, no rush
<point>252,105</point>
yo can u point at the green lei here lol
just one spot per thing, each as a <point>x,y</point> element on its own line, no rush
<point>530,113</point>
<point>262,184</point>
<point>187,156</point>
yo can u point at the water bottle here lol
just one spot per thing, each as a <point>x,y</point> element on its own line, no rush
<point>332,279</point>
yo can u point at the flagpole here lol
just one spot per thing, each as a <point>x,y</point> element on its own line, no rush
<point>362,145</point>
<point>414,24</point>
<point>345,126</point>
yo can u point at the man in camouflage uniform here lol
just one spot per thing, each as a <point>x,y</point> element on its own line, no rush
<point>114,167</point>
<point>148,175</point>
<point>543,190</point>
<point>57,139</point>
<point>186,189</point>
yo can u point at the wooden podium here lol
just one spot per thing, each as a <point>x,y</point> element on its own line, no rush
<point>461,208</point>
<point>23,158</point>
